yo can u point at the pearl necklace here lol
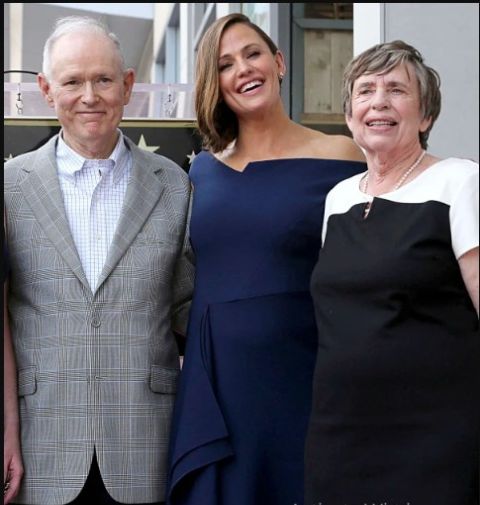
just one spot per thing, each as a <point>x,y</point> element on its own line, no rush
<point>404,176</point>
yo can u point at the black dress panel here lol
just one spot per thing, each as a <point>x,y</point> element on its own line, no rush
<point>395,415</point>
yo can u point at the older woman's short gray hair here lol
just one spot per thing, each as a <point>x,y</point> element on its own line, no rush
<point>72,24</point>
<point>381,59</point>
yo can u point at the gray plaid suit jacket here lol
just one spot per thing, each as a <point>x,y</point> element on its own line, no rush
<point>97,369</point>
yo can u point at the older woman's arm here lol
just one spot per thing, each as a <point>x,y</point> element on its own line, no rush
<point>469,268</point>
<point>12,458</point>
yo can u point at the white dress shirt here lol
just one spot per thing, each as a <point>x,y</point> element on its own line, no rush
<point>93,194</point>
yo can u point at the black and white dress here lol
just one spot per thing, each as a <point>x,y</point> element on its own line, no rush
<point>395,416</point>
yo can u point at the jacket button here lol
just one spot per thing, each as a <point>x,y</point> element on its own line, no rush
<point>96,322</point>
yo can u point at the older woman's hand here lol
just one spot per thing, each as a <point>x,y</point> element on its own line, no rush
<point>12,466</point>
<point>469,268</point>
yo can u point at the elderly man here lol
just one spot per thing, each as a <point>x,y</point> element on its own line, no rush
<point>101,275</point>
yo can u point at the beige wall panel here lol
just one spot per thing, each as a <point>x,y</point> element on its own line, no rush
<point>327,52</point>
<point>317,92</point>
<point>342,51</point>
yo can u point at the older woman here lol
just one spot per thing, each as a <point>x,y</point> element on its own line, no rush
<point>395,414</point>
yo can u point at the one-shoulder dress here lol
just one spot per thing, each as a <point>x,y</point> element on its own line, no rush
<point>244,397</point>
<point>395,412</point>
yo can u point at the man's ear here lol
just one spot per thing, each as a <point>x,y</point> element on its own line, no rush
<point>128,82</point>
<point>44,86</point>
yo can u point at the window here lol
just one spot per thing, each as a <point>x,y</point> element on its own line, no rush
<point>322,45</point>
<point>258,14</point>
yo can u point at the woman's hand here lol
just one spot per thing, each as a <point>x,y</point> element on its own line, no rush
<point>12,466</point>
<point>12,456</point>
<point>469,268</point>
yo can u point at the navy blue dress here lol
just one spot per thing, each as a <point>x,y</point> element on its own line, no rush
<point>244,398</point>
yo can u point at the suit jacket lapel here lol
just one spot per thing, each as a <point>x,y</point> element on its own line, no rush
<point>143,192</point>
<point>41,189</point>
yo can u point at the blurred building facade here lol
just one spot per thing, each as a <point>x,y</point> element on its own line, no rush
<point>317,38</point>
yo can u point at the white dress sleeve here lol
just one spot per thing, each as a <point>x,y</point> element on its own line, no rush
<point>464,215</point>
<point>326,214</point>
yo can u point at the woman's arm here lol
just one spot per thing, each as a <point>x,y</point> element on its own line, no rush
<point>469,267</point>
<point>12,458</point>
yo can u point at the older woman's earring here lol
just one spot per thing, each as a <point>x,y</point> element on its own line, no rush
<point>280,76</point>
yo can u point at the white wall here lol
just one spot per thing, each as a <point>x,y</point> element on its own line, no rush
<point>134,10</point>
<point>368,22</point>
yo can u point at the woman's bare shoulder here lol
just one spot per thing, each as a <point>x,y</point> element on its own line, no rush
<point>348,147</point>
<point>335,146</point>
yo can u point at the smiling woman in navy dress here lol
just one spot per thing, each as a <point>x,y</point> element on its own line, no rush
<point>238,432</point>
<point>395,415</point>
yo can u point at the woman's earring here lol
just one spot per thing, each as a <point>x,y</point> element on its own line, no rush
<point>280,76</point>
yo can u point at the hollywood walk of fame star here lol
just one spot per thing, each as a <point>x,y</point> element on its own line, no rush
<point>191,157</point>
<point>143,145</point>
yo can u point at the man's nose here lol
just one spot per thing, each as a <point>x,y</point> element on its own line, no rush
<point>89,94</point>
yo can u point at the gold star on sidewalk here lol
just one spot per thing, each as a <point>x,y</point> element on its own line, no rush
<point>143,145</point>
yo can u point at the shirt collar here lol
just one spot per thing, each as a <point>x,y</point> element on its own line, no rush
<point>71,162</point>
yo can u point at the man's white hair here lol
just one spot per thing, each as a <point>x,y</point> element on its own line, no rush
<point>72,24</point>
